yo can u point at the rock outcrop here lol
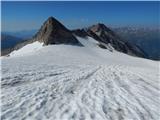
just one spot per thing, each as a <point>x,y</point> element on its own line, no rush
<point>53,32</point>
<point>105,36</point>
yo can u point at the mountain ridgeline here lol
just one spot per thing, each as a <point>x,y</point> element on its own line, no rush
<point>106,36</point>
<point>53,32</point>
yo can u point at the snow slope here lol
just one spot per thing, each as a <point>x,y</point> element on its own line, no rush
<point>64,82</point>
<point>28,49</point>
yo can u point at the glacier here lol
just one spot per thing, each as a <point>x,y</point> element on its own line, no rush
<point>65,82</point>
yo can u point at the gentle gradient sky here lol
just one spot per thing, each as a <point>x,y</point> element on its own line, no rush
<point>30,15</point>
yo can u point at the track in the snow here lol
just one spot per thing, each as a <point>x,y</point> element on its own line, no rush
<point>78,93</point>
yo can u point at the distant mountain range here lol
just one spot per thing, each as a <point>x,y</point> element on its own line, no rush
<point>24,34</point>
<point>133,41</point>
<point>8,41</point>
<point>147,39</point>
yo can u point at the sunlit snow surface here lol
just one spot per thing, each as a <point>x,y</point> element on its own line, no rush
<point>65,82</point>
<point>28,49</point>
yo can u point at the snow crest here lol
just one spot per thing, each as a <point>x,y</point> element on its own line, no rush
<point>27,49</point>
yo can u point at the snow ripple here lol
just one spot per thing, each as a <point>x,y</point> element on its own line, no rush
<point>86,92</point>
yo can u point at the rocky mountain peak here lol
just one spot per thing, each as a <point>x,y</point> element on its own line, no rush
<point>53,32</point>
<point>53,23</point>
<point>101,28</point>
<point>52,19</point>
<point>105,35</point>
<point>97,27</point>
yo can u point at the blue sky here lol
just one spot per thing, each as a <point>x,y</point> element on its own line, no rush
<point>30,15</point>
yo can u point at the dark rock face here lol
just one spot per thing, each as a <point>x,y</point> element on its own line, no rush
<point>80,33</point>
<point>53,32</point>
<point>105,35</point>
